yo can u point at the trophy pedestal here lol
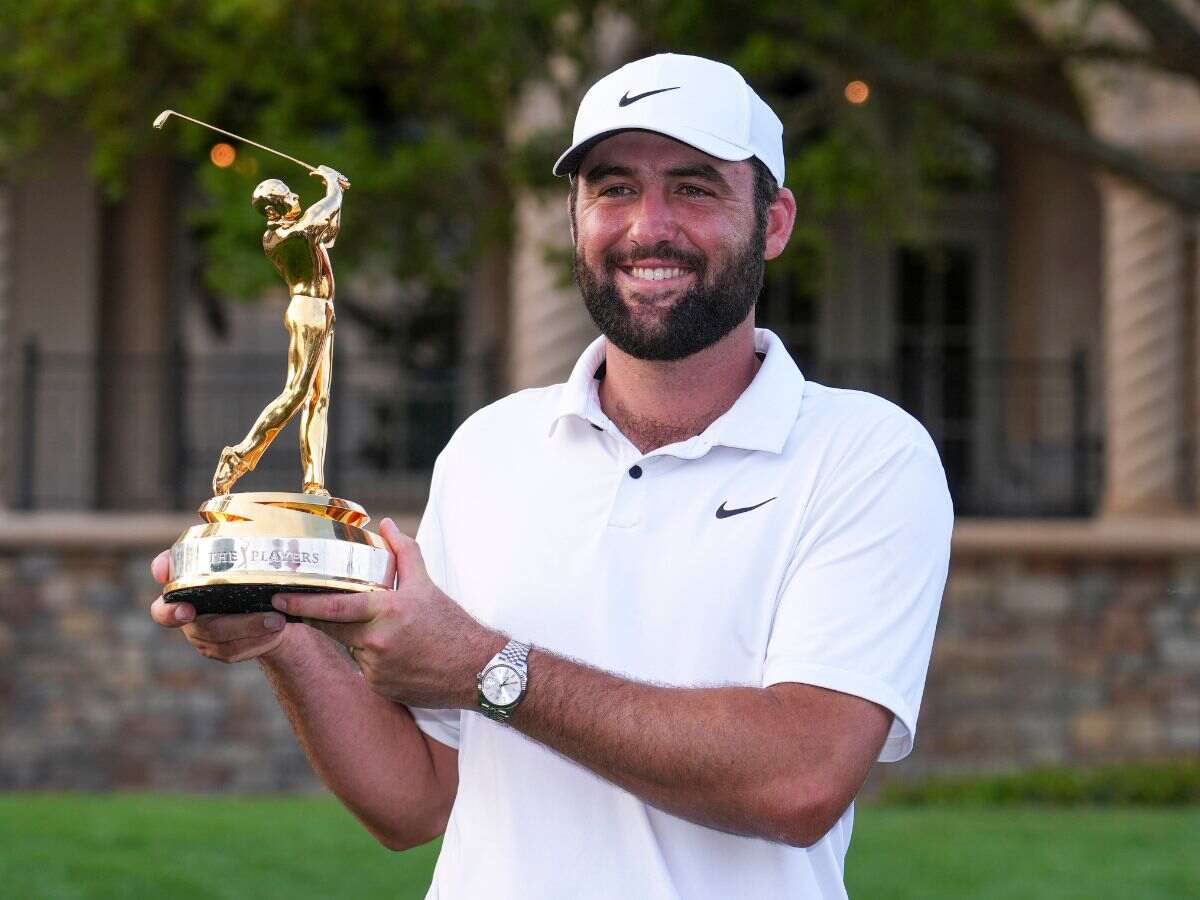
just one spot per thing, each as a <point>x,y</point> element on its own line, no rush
<point>252,546</point>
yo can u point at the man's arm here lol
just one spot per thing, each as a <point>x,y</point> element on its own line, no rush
<point>368,750</point>
<point>781,763</point>
<point>399,783</point>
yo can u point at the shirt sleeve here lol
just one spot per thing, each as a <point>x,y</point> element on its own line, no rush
<point>440,724</point>
<point>859,605</point>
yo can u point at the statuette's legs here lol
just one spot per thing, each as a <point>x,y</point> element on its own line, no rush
<point>309,322</point>
<point>314,421</point>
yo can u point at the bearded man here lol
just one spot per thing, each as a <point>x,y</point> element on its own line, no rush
<point>659,621</point>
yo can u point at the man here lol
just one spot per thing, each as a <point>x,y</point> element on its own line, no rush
<point>298,246</point>
<point>659,621</point>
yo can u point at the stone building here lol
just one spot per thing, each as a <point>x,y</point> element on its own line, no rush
<point>1044,330</point>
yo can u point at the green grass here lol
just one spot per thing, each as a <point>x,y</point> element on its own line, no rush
<point>179,846</point>
<point>1024,852</point>
<point>54,846</point>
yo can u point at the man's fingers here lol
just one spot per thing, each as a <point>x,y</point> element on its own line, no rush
<point>346,635</point>
<point>239,650</point>
<point>229,628</point>
<point>357,607</point>
<point>409,562</point>
<point>160,568</point>
<point>171,615</point>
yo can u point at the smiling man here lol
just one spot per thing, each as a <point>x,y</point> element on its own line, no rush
<point>659,621</point>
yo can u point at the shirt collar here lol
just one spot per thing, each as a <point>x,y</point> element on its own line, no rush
<point>580,395</point>
<point>760,419</point>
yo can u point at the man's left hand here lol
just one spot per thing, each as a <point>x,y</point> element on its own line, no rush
<point>414,644</point>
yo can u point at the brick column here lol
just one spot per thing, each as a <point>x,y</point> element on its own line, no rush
<point>1144,288</point>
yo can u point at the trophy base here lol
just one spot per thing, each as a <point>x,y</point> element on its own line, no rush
<point>255,545</point>
<point>222,599</point>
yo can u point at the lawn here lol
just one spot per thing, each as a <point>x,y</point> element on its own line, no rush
<point>182,846</point>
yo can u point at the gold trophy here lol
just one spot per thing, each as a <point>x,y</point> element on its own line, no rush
<point>251,546</point>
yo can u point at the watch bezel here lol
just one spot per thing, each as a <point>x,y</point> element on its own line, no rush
<point>521,677</point>
<point>515,656</point>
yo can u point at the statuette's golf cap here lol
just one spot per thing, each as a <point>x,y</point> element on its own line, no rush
<point>701,102</point>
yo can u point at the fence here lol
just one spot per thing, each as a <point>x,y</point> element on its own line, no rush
<point>144,432</point>
<point>1017,437</point>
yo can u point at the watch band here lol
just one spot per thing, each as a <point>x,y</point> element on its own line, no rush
<point>514,652</point>
<point>516,655</point>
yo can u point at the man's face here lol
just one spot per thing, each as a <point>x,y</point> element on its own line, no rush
<point>668,254</point>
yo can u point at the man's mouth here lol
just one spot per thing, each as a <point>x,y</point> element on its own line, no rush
<point>656,274</point>
<point>664,275</point>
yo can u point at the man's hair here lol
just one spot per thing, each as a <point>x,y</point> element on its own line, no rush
<point>766,189</point>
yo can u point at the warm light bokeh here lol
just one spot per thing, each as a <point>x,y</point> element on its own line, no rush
<point>222,155</point>
<point>857,92</point>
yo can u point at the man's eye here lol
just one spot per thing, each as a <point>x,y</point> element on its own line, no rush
<point>693,191</point>
<point>616,190</point>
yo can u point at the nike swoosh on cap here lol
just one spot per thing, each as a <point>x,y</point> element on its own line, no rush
<point>626,100</point>
<point>723,513</point>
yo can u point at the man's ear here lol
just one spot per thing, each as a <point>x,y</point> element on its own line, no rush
<point>781,217</point>
<point>571,215</point>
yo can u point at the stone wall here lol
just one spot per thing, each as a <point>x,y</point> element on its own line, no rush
<point>1045,661</point>
<point>1050,650</point>
<point>93,695</point>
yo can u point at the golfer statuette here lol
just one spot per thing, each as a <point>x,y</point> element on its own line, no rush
<point>256,544</point>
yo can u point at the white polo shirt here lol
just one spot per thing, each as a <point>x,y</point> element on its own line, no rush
<point>802,537</point>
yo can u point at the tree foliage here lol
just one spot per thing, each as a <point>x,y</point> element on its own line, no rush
<point>944,73</point>
<point>413,101</point>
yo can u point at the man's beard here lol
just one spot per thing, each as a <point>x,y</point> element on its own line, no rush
<point>698,319</point>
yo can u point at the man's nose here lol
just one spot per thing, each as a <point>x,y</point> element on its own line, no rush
<point>653,219</point>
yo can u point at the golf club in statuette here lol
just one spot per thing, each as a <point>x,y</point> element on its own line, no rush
<point>253,545</point>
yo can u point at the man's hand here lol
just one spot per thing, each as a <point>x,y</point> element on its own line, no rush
<point>367,749</point>
<point>414,644</point>
<point>229,638</point>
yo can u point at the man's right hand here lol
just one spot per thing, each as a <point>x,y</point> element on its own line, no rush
<point>228,638</point>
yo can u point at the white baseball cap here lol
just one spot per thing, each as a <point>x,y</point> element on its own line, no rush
<point>701,102</point>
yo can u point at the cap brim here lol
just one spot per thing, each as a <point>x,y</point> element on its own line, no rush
<point>714,146</point>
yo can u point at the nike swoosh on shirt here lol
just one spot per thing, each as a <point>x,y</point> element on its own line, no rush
<point>723,513</point>
<point>626,100</point>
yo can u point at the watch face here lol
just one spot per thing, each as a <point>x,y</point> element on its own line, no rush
<point>501,685</point>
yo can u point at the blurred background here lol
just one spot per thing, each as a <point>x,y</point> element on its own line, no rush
<point>998,218</point>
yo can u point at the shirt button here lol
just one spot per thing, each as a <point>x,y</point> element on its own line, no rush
<point>635,472</point>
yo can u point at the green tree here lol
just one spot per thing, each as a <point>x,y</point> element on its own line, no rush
<point>934,66</point>
<point>414,101</point>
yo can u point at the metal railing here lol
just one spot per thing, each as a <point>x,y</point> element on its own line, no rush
<point>1017,437</point>
<point>145,432</point>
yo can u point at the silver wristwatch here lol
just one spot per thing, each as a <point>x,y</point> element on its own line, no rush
<point>503,681</point>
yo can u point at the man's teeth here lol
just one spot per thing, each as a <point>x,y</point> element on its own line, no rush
<point>656,274</point>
